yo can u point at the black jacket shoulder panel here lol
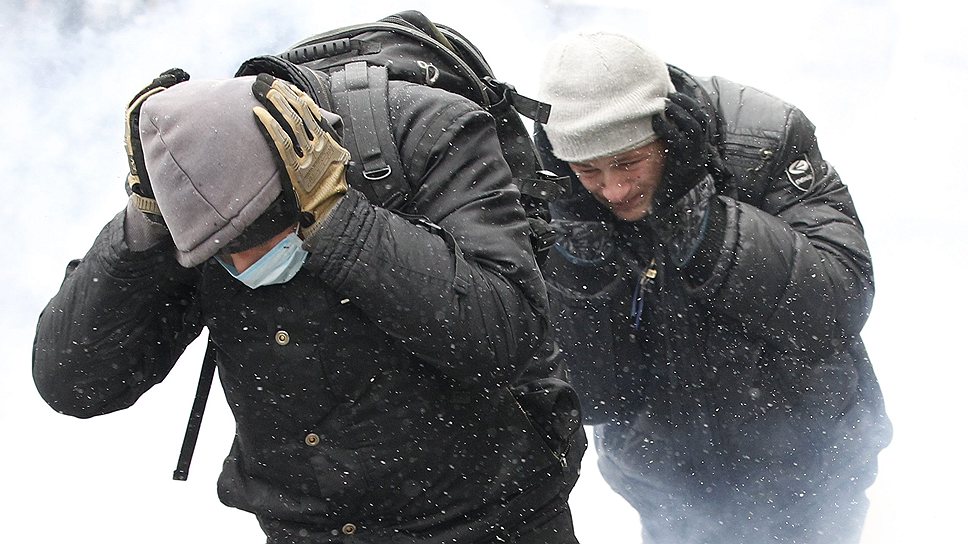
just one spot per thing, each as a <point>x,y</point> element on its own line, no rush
<point>761,135</point>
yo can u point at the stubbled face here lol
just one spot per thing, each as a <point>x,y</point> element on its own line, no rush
<point>246,258</point>
<point>625,183</point>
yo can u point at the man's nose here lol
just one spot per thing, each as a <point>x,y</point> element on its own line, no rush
<point>615,187</point>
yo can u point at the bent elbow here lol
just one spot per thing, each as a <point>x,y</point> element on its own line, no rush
<point>857,309</point>
<point>500,365</point>
<point>62,388</point>
<point>63,398</point>
<point>858,299</point>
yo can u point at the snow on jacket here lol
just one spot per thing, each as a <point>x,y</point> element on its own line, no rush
<point>758,370</point>
<point>372,391</point>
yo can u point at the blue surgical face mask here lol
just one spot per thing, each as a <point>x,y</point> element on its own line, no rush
<point>279,265</point>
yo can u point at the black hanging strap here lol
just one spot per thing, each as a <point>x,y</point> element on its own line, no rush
<point>198,410</point>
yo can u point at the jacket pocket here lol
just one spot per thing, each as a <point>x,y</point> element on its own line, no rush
<point>822,390</point>
<point>553,409</point>
<point>777,406</point>
<point>342,477</point>
<point>750,403</point>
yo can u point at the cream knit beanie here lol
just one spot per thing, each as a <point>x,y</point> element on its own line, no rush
<point>603,89</point>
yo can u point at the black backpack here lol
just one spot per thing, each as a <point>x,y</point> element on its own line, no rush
<point>347,71</point>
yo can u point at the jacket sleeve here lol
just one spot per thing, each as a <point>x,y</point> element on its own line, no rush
<point>115,328</point>
<point>467,298</point>
<point>796,269</point>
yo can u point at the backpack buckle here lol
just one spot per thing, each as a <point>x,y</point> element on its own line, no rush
<point>378,174</point>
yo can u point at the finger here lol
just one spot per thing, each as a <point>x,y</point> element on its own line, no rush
<point>265,90</point>
<point>308,110</point>
<point>138,100</point>
<point>676,127</point>
<point>276,134</point>
<point>261,85</point>
<point>685,101</point>
<point>662,125</point>
<point>692,107</point>
<point>169,77</point>
<point>683,120</point>
<point>132,138</point>
<point>305,107</point>
<point>173,76</point>
<point>290,120</point>
<point>261,88</point>
<point>311,115</point>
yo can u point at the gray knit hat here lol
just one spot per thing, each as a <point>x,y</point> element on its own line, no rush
<point>212,171</point>
<point>603,89</point>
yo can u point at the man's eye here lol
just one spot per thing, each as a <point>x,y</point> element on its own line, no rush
<point>628,164</point>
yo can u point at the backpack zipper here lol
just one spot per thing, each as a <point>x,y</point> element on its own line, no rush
<point>460,63</point>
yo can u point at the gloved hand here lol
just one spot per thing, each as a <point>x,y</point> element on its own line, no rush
<point>681,205</point>
<point>314,162</point>
<point>137,185</point>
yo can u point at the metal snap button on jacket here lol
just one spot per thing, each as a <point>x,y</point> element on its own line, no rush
<point>282,338</point>
<point>312,439</point>
<point>349,529</point>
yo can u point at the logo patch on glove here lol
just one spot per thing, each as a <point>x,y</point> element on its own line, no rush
<point>800,173</point>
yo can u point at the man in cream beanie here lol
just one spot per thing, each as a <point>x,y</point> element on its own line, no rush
<point>708,291</point>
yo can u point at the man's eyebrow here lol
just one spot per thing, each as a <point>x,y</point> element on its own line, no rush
<point>629,155</point>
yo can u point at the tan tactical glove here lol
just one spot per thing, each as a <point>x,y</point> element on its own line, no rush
<point>313,160</point>
<point>137,184</point>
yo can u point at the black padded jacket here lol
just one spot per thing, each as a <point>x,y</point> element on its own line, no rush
<point>758,366</point>
<point>396,388</point>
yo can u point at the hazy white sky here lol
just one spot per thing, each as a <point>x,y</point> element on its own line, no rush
<point>884,82</point>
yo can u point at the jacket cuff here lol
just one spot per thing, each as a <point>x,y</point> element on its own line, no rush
<point>117,258</point>
<point>725,253</point>
<point>140,233</point>
<point>700,268</point>
<point>339,238</point>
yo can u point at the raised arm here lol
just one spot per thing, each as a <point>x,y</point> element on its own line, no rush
<point>116,326</point>
<point>466,297</point>
<point>796,269</point>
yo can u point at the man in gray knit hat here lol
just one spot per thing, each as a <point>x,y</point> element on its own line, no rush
<point>384,373</point>
<point>708,293</point>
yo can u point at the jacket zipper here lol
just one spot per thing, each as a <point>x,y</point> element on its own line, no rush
<point>750,151</point>
<point>642,288</point>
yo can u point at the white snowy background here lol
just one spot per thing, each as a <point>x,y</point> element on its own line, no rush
<point>884,81</point>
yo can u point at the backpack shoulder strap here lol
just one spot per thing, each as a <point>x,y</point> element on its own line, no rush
<point>361,97</point>
<point>309,81</point>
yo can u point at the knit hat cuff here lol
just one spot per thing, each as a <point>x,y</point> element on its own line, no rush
<point>591,142</point>
<point>604,90</point>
